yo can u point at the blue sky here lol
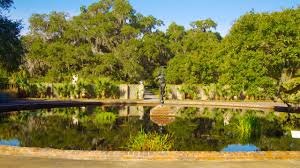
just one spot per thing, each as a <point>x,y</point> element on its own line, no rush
<point>224,12</point>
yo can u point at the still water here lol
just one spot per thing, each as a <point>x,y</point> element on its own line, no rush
<point>112,127</point>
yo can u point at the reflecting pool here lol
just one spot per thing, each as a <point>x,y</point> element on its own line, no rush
<point>124,127</point>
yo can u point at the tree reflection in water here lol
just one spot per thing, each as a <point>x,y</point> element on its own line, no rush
<point>110,128</point>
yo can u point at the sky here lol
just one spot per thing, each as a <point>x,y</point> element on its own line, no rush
<point>183,12</point>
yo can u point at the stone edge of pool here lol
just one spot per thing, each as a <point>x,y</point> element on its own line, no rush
<point>38,104</point>
<point>136,155</point>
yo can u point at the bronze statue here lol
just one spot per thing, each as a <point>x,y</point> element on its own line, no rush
<point>162,86</point>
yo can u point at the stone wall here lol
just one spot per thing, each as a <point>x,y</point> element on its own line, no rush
<point>124,91</point>
<point>130,91</point>
<point>202,93</point>
<point>136,155</point>
<point>173,92</point>
<point>208,92</point>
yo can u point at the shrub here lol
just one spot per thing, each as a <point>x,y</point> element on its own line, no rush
<point>190,91</point>
<point>4,80</point>
<point>79,89</point>
<point>21,79</point>
<point>106,89</point>
<point>41,90</point>
<point>65,90</point>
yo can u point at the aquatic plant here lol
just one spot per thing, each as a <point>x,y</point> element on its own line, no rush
<point>248,127</point>
<point>150,142</point>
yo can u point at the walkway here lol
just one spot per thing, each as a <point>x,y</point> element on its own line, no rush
<point>27,162</point>
<point>150,96</point>
<point>151,100</point>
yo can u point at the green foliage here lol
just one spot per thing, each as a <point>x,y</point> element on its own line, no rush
<point>258,50</point>
<point>247,128</point>
<point>175,34</point>
<point>105,118</point>
<point>204,25</point>
<point>103,41</point>
<point>4,78</point>
<point>196,63</point>
<point>150,142</point>
<point>190,91</point>
<point>21,80</point>
<point>10,45</point>
<point>87,89</point>
<point>289,91</point>
<point>182,130</point>
<point>106,88</point>
<point>56,128</point>
<point>102,88</point>
<point>5,4</point>
<point>100,118</point>
<point>65,90</point>
<point>188,113</point>
<point>258,59</point>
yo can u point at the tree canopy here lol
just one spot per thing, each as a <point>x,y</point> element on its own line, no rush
<point>259,56</point>
<point>5,4</point>
<point>106,39</point>
<point>10,44</point>
<point>259,50</point>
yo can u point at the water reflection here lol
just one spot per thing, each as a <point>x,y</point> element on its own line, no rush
<point>239,147</point>
<point>110,128</point>
<point>11,142</point>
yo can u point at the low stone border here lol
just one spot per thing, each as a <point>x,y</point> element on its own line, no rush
<point>127,156</point>
<point>37,104</point>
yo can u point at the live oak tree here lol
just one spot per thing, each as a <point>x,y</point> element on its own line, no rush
<point>259,57</point>
<point>195,53</point>
<point>93,43</point>
<point>10,44</point>
<point>6,4</point>
<point>259,50</point>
